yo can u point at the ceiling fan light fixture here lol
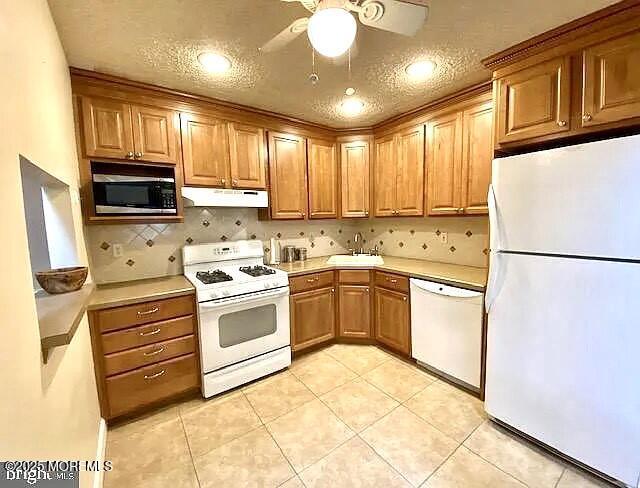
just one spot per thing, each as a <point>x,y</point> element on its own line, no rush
<point>331,30</point>
<point>214,62</point>
<point>352,107</point>
<point>420,70</point>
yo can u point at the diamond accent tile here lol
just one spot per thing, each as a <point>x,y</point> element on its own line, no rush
<point>468,233</point>
<point>485,251</point>
<point>339,231</point>
<point>172,258</point>
<point>400,244</point>
<point>253,236</point>
<point>452,249</point>
<point>301,234</point>
<point>424,246</point>
<point>390,231</point>
<point>188,240</point>
<point>313,244</point>
<point>149,243</point>
<point>331,243</point>
<point>278,235</point>
<point>224,238</point>
<point>130,262</point>
<point>104,246</point>
<point>412,232</point>
<point>438,232</point>
<point>206,223</point>
<point>238,223</point>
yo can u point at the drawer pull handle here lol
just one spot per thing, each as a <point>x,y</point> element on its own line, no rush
<point>310,280</point>
<point>391,281</point>
<point>148,312</point>
<point>153,353</point>
<point>154,376</point>
<point>153,332</point>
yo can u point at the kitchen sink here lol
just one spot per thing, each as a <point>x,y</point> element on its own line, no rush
<point>355,260</point>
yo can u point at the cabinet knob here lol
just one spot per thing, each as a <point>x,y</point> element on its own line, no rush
<point>461,210</point>
<point>333,290</point>
<point>234,182</point>
<point>562,123</point>
<point>404,299</point>
<point>366,212</point>
<point>138,155</point>
<point>304,215</point>
<point>129,155</point>
<point>586,118</point>
<point>223,181</point>
<point>366,290</point>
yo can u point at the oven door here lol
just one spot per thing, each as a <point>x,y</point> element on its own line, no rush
<point>236,329</point>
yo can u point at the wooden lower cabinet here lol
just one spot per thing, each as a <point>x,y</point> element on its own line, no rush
<point>354,311</point>
<point>144,354</point>
<point>391,310</point>
<point>312,317</point>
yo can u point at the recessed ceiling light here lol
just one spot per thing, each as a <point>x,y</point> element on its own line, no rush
<point>349,91</point>
<point>214,62</point>
<point>352,107</point>
<point>420,70</point>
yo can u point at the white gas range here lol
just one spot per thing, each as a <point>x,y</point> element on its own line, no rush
<point>243,309</point>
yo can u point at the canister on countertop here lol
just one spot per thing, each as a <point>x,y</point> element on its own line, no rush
<point>301,253</point>
<point>288,254</point>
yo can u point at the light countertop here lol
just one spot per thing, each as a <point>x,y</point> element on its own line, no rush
<point>130,292</point>
<point>469,277</point>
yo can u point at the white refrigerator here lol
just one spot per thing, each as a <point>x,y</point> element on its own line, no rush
<point>563,298</point>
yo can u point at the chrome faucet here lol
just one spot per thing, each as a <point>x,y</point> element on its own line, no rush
<point>358,244</point>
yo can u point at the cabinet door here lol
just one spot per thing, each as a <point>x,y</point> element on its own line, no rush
<point>384,193</point>
<point>154,134</point>
<point>247,157</point>
<point>611,81</point>
<point>108,129</point>
<point>534,101</point>
<point>354,169</point>
<point>312,318</point>
<point>322,168</point>
<point>410,172</point>
<point>477,155</point>
<point>287,174</point>
<point>354,316</point>
<point>392,319</point>
<point>444,170</point>
<point>205,150</point>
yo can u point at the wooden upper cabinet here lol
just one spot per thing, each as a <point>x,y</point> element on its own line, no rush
<point>108,129</point>
<point>444,167</point>
<point>534,102</point>
<point>385,177</point>
<point>477,155</point>
<point>410,172</point>
<point>247,157</point>
<point>611,81</point>
<point>322,169</point>
<point>391,310</point>
<point>155,134</point>
<point>205,150</point>
<point>354,311</point>
<point>287,175</point>
<point>312,317</point>
<point>354,178</point>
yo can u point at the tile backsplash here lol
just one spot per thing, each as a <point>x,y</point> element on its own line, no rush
<point>155,250</point>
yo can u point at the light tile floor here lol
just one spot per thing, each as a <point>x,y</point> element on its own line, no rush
<point>345,416</point>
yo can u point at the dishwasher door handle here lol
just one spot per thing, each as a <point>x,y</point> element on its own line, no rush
<point>444,290</point>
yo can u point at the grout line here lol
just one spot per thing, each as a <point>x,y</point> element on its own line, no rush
<point>561,475</point>
<point>383,459</point>
<point>284,456</point>
<point>193,463</point>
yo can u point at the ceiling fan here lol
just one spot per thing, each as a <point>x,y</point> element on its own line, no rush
<point>332,27</point>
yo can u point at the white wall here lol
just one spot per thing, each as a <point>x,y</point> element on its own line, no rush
<point>46,411</point>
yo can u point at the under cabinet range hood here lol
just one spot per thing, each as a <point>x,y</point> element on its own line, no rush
<point>222,197</point>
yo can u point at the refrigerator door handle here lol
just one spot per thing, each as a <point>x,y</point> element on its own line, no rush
<point>494,224</point>
<point>492,281</point>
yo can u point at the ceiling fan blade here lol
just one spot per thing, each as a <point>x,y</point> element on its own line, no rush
<point>285,36</point>
<point>310,5</point>
<point>424,3</point>
<point>393,15</point>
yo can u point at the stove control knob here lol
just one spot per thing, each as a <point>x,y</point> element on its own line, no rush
<point>225,293</point>
<point>266,285</point>
<point>213,295</point>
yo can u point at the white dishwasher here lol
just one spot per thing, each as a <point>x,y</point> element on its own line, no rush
<point>446,330</point>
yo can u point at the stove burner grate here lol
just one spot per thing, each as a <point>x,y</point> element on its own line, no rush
<point>256,271</point>
<point>214,276</point>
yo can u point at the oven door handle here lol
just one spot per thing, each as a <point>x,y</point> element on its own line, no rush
<point>224,302</point>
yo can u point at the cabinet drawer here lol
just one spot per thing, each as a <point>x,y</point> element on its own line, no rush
<point>310,281</point>
<point>150,384</point>
<point>120,362</point>
<point>360,276</point>
<point>142,313</point>
<point>147,334</point>
<point>392,281</point>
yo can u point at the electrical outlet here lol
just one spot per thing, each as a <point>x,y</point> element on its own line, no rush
<point>444,237</point>
<point>117,250</point>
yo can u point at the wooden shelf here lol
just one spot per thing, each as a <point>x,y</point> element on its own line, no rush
<point>59,316</point>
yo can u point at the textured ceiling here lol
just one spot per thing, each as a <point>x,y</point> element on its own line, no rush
<point>157,41</point>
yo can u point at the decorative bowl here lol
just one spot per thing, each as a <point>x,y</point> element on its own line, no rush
<point>62,280</point>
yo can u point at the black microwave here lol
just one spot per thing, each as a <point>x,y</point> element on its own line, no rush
<point>134,194</point>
